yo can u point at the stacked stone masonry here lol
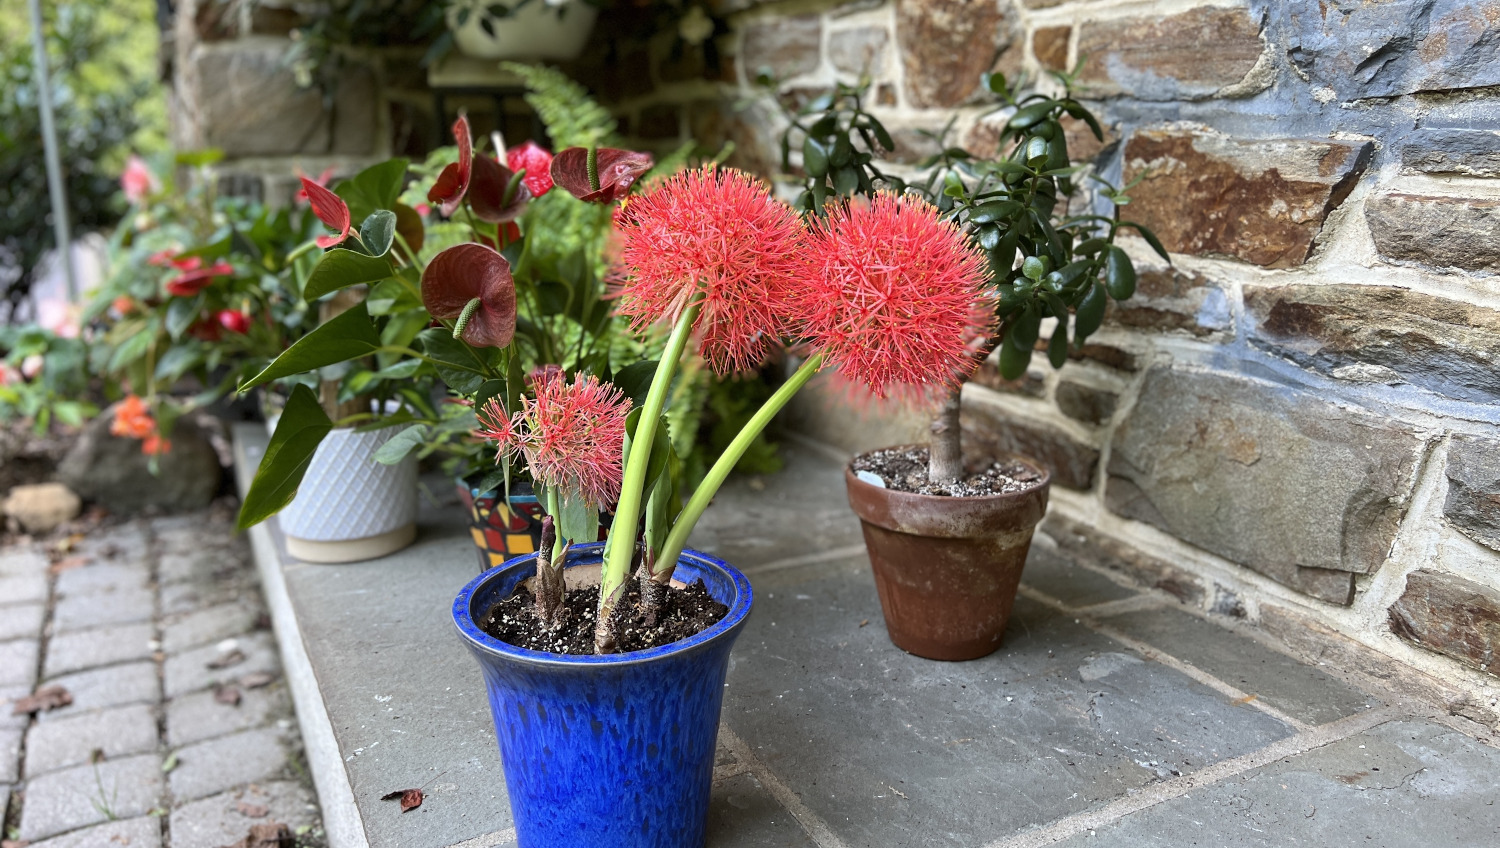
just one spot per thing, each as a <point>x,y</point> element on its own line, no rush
<point>1297,419</point>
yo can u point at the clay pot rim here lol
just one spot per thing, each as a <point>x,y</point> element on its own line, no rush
<point>852,479</point>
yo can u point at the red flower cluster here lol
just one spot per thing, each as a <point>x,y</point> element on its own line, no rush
<point>722,234</point>
<point>134,420</point>
<point>190,282</point>
<point>895,295</point>
<point>572,435</point>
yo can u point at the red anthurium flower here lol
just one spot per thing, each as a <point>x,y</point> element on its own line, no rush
<point>330,209</point>
<point>321,179</point>
<point>894,294</point>
<point>189,283</point>
<point>137,181</point>
<point>618,171</point>
<point>448,191</point>
<point>187,263</point>
<point>720,233</point>
<point>572,435</point>
<point>234,321</point>
<point>538,164</point>
<point>161,258</point>
<point>458,276</point>
<point>487,192</point>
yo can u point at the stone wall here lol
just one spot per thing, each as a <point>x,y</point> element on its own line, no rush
<point>1296,421</point>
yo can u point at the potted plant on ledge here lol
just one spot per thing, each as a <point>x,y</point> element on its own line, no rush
<point>947,534</point>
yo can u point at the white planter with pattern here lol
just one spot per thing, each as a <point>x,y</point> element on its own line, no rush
<point>350,507</point>
<point>537,31</point>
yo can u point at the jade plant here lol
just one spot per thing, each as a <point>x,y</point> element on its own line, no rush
<point>1044,259</point>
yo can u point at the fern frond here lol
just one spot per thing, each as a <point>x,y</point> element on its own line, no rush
<point>572,117</point>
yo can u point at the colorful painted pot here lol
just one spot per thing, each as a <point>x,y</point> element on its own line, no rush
<point>502,529</point>
<point>614,749</point>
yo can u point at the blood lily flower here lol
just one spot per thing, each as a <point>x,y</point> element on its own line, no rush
<point>721,234</point>
<point>471,284</point>
<point>537,161</point>
<point>189,283</point>
<point>330,209</point>
<point>572,435</point>
<point>616,170</point>
<point>894,292</point>
<point>448,191</point>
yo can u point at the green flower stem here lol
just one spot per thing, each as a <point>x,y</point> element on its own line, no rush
<point>677,539</point>
<point>301,249</point>
<point>628,510</point>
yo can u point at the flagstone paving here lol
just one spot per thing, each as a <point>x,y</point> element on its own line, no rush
<point>1111,715</point>
<point>155,750</point>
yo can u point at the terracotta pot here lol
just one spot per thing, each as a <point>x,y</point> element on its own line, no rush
<point>947,569</point>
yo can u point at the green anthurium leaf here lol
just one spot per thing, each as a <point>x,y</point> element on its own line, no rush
<point>456,363</point>
<point>401,444</point>
<point>1119,274</point>
<point>178,361</point>
<point>347,336</point>
<point>301,429</point>
<point>340,268</point>
<point>376,187</point>
<point>378,231</point>
<point>181,313</point>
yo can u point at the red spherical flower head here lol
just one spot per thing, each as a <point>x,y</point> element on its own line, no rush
<point>189,283</point>
<point>491,196</point>
<point>537,161</point>
<point>462,273</point>
<point>234,321</point>
<point>720,233</point>
<point>448,190</point>
<point>894,297</point>
<point>618,171</point>
<point>331,210</point>
<point>573,437</point>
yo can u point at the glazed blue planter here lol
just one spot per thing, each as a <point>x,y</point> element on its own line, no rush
<point>607,751</point>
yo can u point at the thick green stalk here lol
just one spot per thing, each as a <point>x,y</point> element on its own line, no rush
<point>677,538</point>
<point>632,495</point>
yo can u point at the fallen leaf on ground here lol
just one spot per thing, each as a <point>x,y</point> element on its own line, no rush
<point>13,843</point>
<point>257,679</point>
<point>170,762</point>
<point>252,811</point>
<point>227,695</point>
<point>410,798</point>
<point>45,699</point>
<point>234,657</point>
<point>272,835</point>
<point>68,564</point>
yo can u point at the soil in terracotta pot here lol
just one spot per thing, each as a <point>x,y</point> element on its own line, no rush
<point>684,612</point>
<point>905,470</point>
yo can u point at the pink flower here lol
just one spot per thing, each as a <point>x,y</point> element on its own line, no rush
<point>32,366</point>
<point>618,171</point>
<point>448,191</point>
<point>573,437</point>
<point>537,161</point>
<point>720,233</point>
<point>494,425</point>
<point>161,258</point>
<point>59,317</point>
<point>137,181</point>
<point>330,209</point>
<point>895,295</point>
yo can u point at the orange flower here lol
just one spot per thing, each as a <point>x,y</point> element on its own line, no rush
<point>155,445</point>
<point>133,419</point>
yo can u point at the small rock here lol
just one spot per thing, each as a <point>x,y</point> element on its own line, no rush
<point>41,508</point>
<point>112,471</point>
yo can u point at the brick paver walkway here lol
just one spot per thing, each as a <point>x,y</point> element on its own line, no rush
<point>180,733</point>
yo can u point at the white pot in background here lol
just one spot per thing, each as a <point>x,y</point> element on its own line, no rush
<point>350,507</point>
<point>535,32</point>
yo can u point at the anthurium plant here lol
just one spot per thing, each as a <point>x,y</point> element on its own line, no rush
<point>1050,249</point>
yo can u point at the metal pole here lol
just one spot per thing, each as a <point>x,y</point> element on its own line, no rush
<point>49,144</point>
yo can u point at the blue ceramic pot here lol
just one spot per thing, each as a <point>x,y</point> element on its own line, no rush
<point>614,750</point>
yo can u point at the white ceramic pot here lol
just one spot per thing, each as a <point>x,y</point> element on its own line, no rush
<point>537,31</point>
<point>350,507</point>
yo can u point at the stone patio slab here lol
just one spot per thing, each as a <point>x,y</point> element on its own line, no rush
<point>87,649</point>
<point>112,686</point>
<point>76,797</point>
<point>1059,719</point>
<point>221,819</point>
<point>189,671</point>
<point>1404,783</point>
<point>143,832</point>
<point>1301,691</point>
<point>82,612</point>
<point>200,715</point>
<point>18,662</point>
<point>208,626</point>
<point>75,740</point>
<point>220,764</point>
<point>22,621</point>
<point>23,587</point>
<point>1060,578</point>
<point>103,578</point>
